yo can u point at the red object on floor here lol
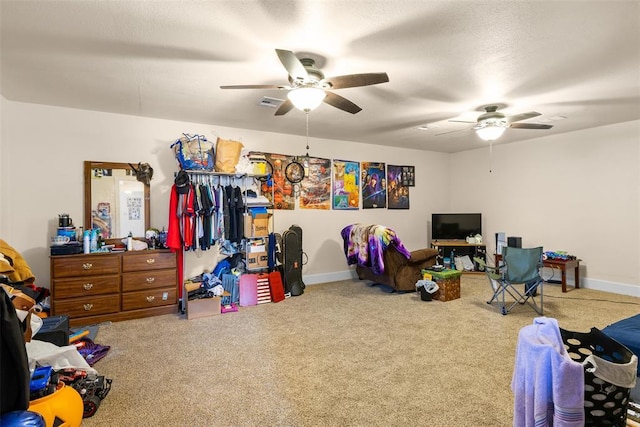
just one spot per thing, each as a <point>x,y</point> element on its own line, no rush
<point>277,288</point>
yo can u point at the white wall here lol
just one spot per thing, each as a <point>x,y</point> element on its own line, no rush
<point>578,192</point>
<point>44,147</point>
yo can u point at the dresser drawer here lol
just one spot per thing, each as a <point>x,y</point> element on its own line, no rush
<point>87,265</point>
<point>86,286</point>
<point>146,260</point>
<point>80,307</point>
<point>150,279</point>
<point>149,298</point>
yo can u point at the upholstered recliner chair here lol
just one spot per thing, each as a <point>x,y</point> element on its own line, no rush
<point>381,257</point>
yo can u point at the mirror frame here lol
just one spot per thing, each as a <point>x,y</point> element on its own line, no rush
<point>88,166</point>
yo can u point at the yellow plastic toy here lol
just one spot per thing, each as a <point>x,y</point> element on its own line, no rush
<point>63,408</point>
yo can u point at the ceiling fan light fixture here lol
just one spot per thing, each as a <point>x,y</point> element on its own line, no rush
<point>491,130</point>
<point>306,98</point>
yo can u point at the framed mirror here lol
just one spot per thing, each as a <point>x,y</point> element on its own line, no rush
<point>115,201</point>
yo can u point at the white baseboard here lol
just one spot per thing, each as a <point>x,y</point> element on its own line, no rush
<point>596,284</point>
<point>599,285</point>
<point>616,288</point>
<point>314,279</point>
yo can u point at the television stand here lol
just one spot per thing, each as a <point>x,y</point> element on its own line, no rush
<point>461,248</point>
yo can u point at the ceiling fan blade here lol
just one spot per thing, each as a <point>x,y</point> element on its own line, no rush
<point>530,126</point>
<point>284,108</point>
<point>523,116</point>
<point>255,87</point>
<point>342,103</point>
<point>461,121</point>
<point>451,131</point>
<point>356,80</point>
<point>293,65</point>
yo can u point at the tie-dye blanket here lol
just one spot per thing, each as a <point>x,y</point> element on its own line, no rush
<point>364,245</point>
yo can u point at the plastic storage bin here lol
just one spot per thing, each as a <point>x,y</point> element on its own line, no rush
<point>55,329</point>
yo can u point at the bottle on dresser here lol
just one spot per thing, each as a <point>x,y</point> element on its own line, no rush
<point>86,242</point>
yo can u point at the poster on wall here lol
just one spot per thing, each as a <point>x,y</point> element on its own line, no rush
<point>374,186</point>
<point>315,189</point>
<point>279,190</point>
<point>346,184</point>
<point>408,176</point>
<point>397,188</point>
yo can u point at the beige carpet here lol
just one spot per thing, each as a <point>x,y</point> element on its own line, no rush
<point>342,354</point>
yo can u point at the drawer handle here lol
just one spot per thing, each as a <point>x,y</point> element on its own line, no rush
<point>87,286</point>
<point>87,265</point>
<point>151,279</point>
<point>151,260</point>
<point>87,307</point>
<point>150,298</point>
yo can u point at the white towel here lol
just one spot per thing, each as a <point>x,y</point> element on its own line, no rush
<point>548,385</point>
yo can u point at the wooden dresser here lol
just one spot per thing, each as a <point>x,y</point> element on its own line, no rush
<point>103,287</point>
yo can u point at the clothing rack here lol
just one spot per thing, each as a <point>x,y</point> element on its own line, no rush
<point>218,197</point>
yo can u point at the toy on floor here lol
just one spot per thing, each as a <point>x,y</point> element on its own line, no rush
<point>57,403</point>
<point>77,335</point>
<point>91,387</point>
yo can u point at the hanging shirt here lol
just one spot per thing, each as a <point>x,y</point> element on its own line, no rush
<point>229,206</point>
<point>220,204</point>
<point>206,207</point>
<point>239,211</point>
<point>188,214</point>
<point>174,236</point>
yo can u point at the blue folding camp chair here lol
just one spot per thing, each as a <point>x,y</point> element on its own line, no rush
<point>518,276</point>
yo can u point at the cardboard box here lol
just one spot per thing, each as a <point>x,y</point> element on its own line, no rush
<point>448,289</point>
<point>204,307</point>
<point>448,284</point>
<point>248,224</point>
<point>258,247</point>
<point>257,260</point>
<point>260,225</point>
<point>256,225</point>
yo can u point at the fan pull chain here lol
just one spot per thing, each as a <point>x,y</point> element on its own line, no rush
<point>305,163</point>
<point>307,115</point>
<point>490,156</point>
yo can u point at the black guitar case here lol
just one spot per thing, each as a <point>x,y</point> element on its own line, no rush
<point>292,260</point>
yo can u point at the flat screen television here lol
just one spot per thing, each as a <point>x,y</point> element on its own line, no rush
<point>455,226</point>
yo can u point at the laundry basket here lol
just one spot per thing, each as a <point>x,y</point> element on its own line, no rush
<point>605,404</point>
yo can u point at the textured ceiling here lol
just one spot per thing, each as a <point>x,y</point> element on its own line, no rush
<point>577,63</point>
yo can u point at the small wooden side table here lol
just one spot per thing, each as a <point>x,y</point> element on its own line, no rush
<point>561,264</point>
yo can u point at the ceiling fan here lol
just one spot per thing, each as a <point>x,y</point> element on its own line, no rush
<point>308,82</point>
<point>491,124</point>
